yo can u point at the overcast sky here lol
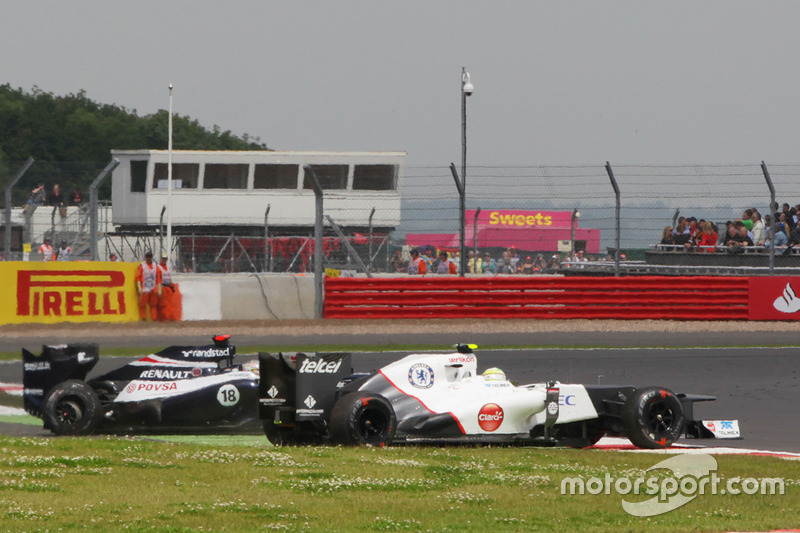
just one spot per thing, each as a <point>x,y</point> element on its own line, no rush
<point>556,82</point>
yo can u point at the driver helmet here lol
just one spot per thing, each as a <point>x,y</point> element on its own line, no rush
<point>494,374</point>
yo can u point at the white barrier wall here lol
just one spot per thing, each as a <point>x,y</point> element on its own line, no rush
<point>246,296</point>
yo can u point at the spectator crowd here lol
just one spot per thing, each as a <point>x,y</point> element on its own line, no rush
<point>780,230</point>
<point>55,198</point>
<point>427,260</point>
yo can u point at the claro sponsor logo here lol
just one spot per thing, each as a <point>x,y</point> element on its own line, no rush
<point>490,417</point>
<point>70,293</point>
<point>310,366</point>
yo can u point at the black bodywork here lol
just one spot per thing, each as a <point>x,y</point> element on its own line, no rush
<point>197,409</point>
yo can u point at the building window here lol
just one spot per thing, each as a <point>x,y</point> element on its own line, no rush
<point>138,176</point>
<point>218,176</point>
<point>375,178</point>
<point>330,177</point>
<point>275,177</point>
<point>184,175</point>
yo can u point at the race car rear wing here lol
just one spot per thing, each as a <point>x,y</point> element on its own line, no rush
<point>298,387</point>
<point>56,364</point>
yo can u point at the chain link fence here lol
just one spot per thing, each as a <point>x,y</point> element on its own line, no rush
<point>528,219</point>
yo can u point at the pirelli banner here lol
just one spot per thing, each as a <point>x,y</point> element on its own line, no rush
<point>68,292</point>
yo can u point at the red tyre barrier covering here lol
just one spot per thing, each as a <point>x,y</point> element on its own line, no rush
<point>774,298</point>
<point>645,297</point>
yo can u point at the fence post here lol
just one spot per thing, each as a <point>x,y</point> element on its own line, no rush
<point>475,241</point>
<point>610,172</point>
<point>771,234</point>
<point>369,250</point>
<point>93,206</point>
<point>267,251</point>
<point>319,275</point>
<point>161,231</point>
<point>9,186</point>
<point>462,206</point>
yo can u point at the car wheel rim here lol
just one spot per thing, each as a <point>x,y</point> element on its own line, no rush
<point>372,424</point>
<point>660,418</point>
<point>68,412</point>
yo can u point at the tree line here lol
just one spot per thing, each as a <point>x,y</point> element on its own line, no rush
<point>71,138</point>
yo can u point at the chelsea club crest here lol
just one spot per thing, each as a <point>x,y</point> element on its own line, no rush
<point>421,376</point>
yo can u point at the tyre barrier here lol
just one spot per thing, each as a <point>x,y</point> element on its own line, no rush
<point>645,297</point>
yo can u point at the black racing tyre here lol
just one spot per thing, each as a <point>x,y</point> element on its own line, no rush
<point>653,418</point>
<point>72,408</point>
<point>363,418</point>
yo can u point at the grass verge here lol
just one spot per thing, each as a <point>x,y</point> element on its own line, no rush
<point>243,484</point>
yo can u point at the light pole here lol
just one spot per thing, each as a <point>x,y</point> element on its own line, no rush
<point>169,180</point>
<point>575,216</point>
<point>466,90</point>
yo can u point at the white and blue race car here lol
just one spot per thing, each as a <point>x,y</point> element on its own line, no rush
<point>442,398</point>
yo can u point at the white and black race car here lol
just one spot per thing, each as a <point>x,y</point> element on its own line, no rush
<point>441,397</point>
<point>180,388</point>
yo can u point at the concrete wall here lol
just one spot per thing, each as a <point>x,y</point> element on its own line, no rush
<point>246,296</point>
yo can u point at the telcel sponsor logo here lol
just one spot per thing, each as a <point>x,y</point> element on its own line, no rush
<point>311,366</point>
<point>70,293</point>
<point>490,417</point>
<point>210,353</point>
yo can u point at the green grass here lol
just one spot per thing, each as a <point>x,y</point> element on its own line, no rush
<point>215,483</point>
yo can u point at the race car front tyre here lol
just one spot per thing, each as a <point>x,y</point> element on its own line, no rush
<point>363,418</point>
<point>72,408</point>
<point>653,418</point>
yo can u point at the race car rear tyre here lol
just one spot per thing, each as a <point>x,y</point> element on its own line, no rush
<point>653,418</point>
<point>363,418</point>
<point>72,408</point>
